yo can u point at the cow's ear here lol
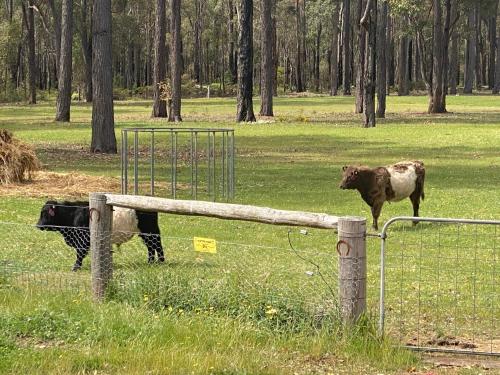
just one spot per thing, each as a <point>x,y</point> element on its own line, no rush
<point>52,210</point>
<point>344,168</point>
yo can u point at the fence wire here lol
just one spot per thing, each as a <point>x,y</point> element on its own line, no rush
<point>441,286</point>
<point>288,286</point>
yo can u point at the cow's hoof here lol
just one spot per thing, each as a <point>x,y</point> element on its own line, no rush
<point>161,259</point>
<point>76,268</point>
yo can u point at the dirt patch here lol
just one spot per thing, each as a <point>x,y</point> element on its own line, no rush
<point>61,185</point>
<point>31,342</point>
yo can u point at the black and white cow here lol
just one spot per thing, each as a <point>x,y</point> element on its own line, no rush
<point>71,219</point>
<point>386,184</point>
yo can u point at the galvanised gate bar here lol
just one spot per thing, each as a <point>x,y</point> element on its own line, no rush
<point>180,163</point>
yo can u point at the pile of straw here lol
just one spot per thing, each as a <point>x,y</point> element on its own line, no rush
<point>17,159</point>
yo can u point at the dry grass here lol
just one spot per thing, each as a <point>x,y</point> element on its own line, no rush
<point>18,160</point>
<point>60,185</point>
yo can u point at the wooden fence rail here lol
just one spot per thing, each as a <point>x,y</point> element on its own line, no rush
<point>351,245</point>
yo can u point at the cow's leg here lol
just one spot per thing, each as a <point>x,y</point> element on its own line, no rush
<point>80,254</point>
<point>148,223</point>
<point>415,201</point>
<point>376,209</point>
<point>150,243</point>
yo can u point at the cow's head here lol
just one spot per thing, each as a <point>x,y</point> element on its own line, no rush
<point>350,177</point>
<point>47,219</point>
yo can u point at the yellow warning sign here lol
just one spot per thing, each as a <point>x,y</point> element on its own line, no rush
<point>205,245</point>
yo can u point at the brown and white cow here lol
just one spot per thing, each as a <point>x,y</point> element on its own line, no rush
<point>392,183</point>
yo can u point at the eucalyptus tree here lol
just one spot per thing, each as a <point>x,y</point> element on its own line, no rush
<point>159,74</point>
<point>63,104</point>
<point>267,63</point>
<point>103,126</point>
<point>175,60</point>
<point>29,21</point>
<point>244,111</point>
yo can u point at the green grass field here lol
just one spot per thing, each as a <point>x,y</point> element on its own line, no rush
<point>251,308</point>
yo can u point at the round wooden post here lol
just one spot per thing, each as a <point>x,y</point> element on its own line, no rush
<point>101,216</point>
<point>351,247</point>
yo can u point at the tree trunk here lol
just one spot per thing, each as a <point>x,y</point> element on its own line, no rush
<point>346,43</point>
<point>359,58</point>
<point>267,74</point>
<point>63,105</point>
<point>334,65</point>
<point>300,64</point>
<point>57,32</point>
<point>103,127</point>
<point>244,110</point>
<point>390,54</point>
<point>496,87</point>
<point>86,43</point>
<point>440,56</point>
<point>453,59</point>
<point>470,53</point>
<point>403,78</point>
<point>176,61</point>
<point>29,19</point>
<point>232,53</point>
<point>382,59</point>
<point>317,57</point>
<point>159,74</point>
<point>369,23</point>
<point>492,36</point>
<point>197,42</point>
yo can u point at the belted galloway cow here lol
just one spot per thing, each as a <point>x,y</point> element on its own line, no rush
<point>392,183</point>
<point>71,219</point>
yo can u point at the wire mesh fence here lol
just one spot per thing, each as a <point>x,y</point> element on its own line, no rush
<point>441,285</point>
<point>286,286</point>
<point>185,163</point>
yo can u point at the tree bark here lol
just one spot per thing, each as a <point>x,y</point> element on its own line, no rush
<point>359,58</point>
<point>86,43</point>
<point>176,61</point>
<point>334,65</point>
<point>470,53</point>
<point>29,20</point>
<point>403,78</point>
<point>492,36</point>
<point>390,53</point>
<point>346,43</point>
<point>267,73</point>
<point>232,53</point>
<point>103,127</point>
<point>159,74</point>
<point>57,32</point>
<point>300,62</point>
<point>63,105</point>
<point>496,86</point>
<point>197,42</point>
<point>317,57</point>
<point>453,60</point>
<point>244,110</point>
<point>382,59</point>
<point>369,23</point>
<point>440,56</point>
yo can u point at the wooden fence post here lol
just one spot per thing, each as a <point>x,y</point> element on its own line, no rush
<point>101,216</point>
<point>351,247</point>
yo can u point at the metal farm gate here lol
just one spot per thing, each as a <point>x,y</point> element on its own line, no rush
<point>439,284</point>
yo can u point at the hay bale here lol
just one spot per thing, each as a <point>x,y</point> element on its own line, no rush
<point>17,159</point>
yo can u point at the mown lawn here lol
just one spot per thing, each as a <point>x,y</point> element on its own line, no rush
<point>251,308</point>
